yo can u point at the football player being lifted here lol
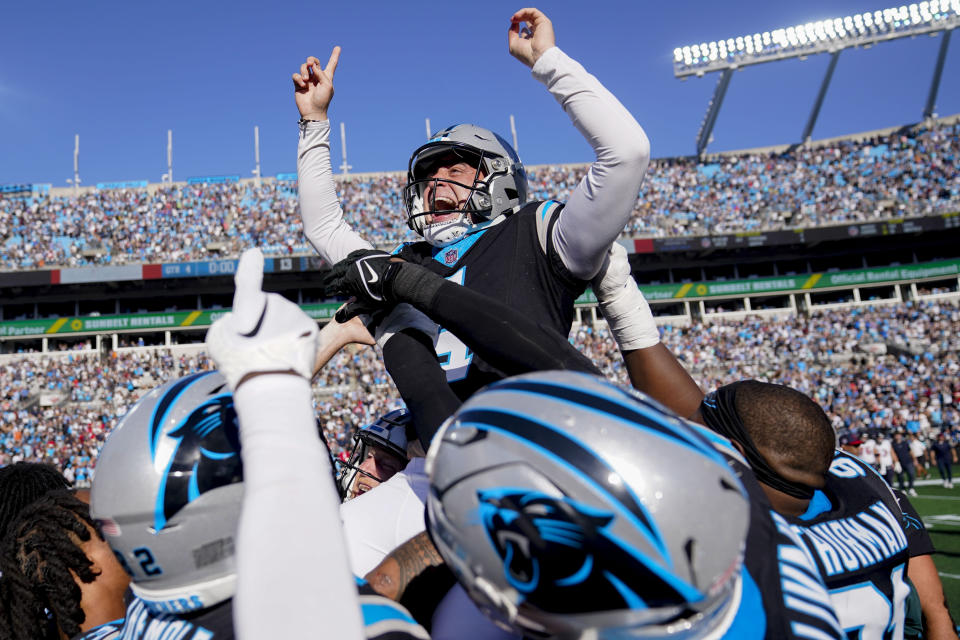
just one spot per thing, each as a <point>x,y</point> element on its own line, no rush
<point>466,196</point>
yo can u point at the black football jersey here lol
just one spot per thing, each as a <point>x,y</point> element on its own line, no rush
<point>857,532</point>
<point>782,595</point>
<point>918,540</point>
<point>506,262</point>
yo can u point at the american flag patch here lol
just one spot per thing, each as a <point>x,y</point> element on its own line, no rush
<point>109,527</point>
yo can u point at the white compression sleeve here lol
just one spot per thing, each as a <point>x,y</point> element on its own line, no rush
<point>600,206</point>
<point>323,221</point>
<point>320,210</point>
<point>293,577</point>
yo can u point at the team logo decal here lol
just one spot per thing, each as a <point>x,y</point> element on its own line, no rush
<point>202,453</point>
<point>561,557</point>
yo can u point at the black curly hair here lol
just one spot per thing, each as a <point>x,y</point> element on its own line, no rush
<point>21,484</point>
<point>39,558</point>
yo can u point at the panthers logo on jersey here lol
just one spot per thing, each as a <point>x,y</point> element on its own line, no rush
<point>201,453</point>
<point>544,541</point>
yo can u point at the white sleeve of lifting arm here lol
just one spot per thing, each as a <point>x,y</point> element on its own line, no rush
<point>320,210</point>
<point>600,206</point>
<point>622,303</point>
<point>293,576</point>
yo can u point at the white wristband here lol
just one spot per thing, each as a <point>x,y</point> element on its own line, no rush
<point>622,303</point>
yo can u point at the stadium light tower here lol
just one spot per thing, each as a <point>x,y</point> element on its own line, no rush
<point>168,176</point>
<point>256,155</point>
<point>429,132</point>
<point>513,131</point>
<point>75,181</point>
<point>344,167</point>
<point>825,36</point>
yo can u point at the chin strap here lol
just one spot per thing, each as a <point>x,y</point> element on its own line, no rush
<point>436,239</point>
<point>189,598</point>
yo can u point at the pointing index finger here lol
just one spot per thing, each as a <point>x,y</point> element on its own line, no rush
<point>249,297</point>
<point>333,61</point>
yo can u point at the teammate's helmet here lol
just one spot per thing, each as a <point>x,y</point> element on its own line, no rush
<point>502,187</point>
<point>389,432</point>
<point>168,490</point>
<point>566,505</point>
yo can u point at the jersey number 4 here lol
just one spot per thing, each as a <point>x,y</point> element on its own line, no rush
<point>454,356</point>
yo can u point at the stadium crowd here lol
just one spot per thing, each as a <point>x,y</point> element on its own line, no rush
<point>827,356</point>
<point>561,504</point>
<point>908,173</point>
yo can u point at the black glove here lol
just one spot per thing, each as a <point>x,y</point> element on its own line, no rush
<point>365,274</point>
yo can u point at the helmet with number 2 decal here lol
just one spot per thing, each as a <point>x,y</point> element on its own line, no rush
<point>168,490</point>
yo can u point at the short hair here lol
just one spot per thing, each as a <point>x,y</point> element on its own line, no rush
<point>23,483</point>
<point>39,558</point>
<point>787,423</point>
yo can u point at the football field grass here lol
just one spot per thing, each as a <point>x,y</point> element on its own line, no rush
<point>940,510</point>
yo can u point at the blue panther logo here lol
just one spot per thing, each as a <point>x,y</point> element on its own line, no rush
<point>561,557</point>
<point>206,457</point>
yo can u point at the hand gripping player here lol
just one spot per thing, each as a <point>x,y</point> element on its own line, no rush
<point>466,195</point>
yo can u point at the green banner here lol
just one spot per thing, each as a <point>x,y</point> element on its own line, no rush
<point>137,322</point>
<point>324,311</point>
<point>794,284</point>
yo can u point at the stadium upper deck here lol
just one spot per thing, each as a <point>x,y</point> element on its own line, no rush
<point>911,171</point>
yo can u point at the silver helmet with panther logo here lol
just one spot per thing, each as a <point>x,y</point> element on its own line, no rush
<point>168,490</point>
<point>568,506</point>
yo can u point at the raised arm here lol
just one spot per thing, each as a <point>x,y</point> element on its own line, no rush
<point>320,210</point>
<point>652,367</point>
<point>603,202</point>
<point>266,348</point>
<point>500,334</point>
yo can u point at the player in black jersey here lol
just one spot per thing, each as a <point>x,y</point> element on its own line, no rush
<point>845,513</point>
<point>795,477</point>
<point>466,196</point>
<point>515,344</point>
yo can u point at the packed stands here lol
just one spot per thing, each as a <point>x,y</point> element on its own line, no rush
<point>909,172</point>
<point>871,368</point>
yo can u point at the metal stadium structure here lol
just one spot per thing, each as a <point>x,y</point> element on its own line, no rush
<point>825,36</point>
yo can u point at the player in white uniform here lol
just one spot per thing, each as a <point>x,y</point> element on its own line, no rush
<point>919,451</point>
<point>385,517</point>
<point>868,450</point>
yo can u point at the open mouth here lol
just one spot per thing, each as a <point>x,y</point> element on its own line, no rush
<point>443,203</point>
<point>363,487</point>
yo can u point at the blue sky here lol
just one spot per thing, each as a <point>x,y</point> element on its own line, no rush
<point>121,74</point>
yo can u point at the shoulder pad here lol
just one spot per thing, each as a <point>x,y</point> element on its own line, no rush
<point>400,247</point>
<point>545,212</point>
